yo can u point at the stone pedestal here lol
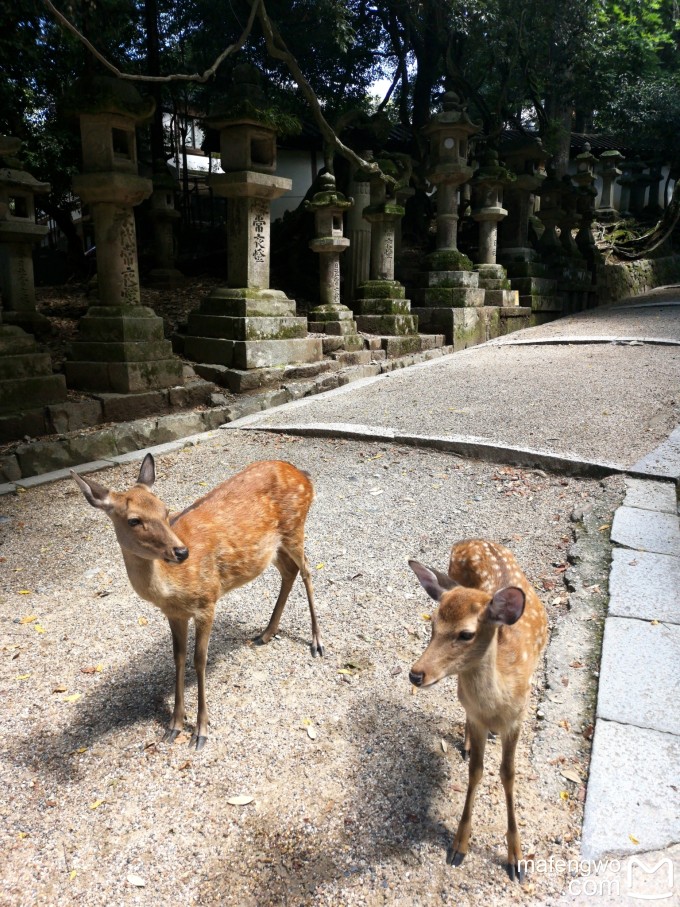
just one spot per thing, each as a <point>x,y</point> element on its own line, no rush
<point>638,186</point>
<point>381,306</point>
<point>164,218</point>
<point>625,181</point>
<point>19,233</point>
<point>120,346</point>
<point>609,161</point>
<point>247,325</point>
<point>27,385</point>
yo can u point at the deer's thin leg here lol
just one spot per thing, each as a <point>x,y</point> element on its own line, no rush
<point>459,846</point>
<point>509,742</point>
<point>203,628</point>
<point>179,628</point>
<point>288,570</point>
<point>466,742</point>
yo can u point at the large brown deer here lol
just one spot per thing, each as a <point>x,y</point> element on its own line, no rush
<point>185,562</point>
<point>489,629</point>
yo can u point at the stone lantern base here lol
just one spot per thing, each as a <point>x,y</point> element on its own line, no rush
<point>27,385</point>
<point>493,279</point>
<point>122,350</point>
<point>381,308</point>
<point>249,329</point>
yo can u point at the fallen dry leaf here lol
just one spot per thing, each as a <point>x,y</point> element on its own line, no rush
<point>22,676</point>
<point>444,746</point>
<point>633,839</point>
<point>571,775</point>
<point>654,623</point>
<point>142,621</point>
<point>89,670</point>
<point>133,879</point>
<point>59,689</point>
<point>240,800</point>
<point>74,697</point>
<point>564,795</point>
<point>184,765</point>
<point>311,733</point>
<point>96,804</point>
<point>25,592</point>
<point>29,617</point>
<point>38,628</point>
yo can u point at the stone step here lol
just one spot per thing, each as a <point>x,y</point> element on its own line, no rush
<point>283,328</point>
<point>494,283</point>
<point>14,341</point>
<point>382,306</point>
<point>28,393</point>
<point>29,365</point>
<point>116,323</point>
<point>465,279</point>
<point>501,297</point>
<point>253,354</point>
<point>554,303</point>
<point>123,377</point>
<point>357,357</point>
<point>120,351</point>
<point>462,327</point>
<point>526,269</point>
<point>247,308</point>
<point>373,289</point>
<point>335,328</point>
<point>392,325</point>
<point>514,318</point>
<point>449,297</point>
<point>542,286</point>
<point>347,343</point>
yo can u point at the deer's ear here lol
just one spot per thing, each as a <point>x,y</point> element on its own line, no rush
<point>95,494</point>
<point>147,472</point>
<point>432,581</point>
<point>506,607</point>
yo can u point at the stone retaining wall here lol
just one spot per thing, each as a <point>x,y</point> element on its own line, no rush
<point>632,277</point>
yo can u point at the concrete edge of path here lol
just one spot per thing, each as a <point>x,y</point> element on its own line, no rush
<point>462,445</point>
<point>576,338</point>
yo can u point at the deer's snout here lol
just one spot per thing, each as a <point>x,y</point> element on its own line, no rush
<point>416,678</point>
<point>181,554</point>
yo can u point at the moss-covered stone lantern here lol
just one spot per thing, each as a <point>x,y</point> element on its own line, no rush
<point>609,171</point>
<point>19,233</point>
<point>247,325</point>
<point>120,346</point>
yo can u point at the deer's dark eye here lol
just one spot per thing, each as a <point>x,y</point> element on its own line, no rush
<point>134,522</point>
<point>466,635</point>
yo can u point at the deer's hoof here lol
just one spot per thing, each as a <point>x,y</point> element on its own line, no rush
<point>317,648</point>
<point>170,735</point>
<point>199,740</point>
<point>454,857</point>
<point>258,641</point>
<point>516,872</point>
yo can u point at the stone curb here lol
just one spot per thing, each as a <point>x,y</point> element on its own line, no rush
<point>632,802</point>
<point>124,441</point>
<point>539,341</point>
<point>464,446</point>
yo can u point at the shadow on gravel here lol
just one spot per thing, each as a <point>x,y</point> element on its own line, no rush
<point>388,813</point>
<point>141,692</point>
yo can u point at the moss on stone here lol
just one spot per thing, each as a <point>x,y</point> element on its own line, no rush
<point>448,260</point>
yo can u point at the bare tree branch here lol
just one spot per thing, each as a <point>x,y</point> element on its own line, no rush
<point>276,47</point>
<point>176,77</point>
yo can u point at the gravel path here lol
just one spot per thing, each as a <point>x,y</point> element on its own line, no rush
<point>528,396</point>
<point>94,806</point>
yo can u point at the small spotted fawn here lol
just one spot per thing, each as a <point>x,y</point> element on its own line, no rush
<point>185,562</point>
<point>489,629</point>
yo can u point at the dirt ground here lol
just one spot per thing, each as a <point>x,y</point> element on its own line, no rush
<point>97,811</point>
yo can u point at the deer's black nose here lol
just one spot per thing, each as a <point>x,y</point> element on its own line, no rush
<point>416,678</point>
<point>181,554</point>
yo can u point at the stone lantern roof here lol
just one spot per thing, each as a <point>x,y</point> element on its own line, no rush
<point>328,195</point>
<point>116,97</point>
<point>453,116</point>
<point>246,103</point>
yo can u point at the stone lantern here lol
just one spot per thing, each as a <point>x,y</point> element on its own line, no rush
<point>488,210</point>
<point>164,217</point>
<point>638,186</point>
<point>448,134</point>
<point>585,180</point>
<point>609,161</point>
<point>247,325</point>
<point>550,215</point>
<point>120,346</point>
<point>526,159</point>
<point>331,317</point>
<point>18,234</point>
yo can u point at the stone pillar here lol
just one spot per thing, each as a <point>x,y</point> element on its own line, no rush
<point>626,183</point>
<point>654,178</point>
<point>248,326</point>
<point>638,186</point>
<point>19,233</point>
<point>574,279</point>
<point>609,161</point>
<point>359,233</point>
<point>164,217</point>
<point>331,316</point>
<point>121,346</point>
<point>585,241</point>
